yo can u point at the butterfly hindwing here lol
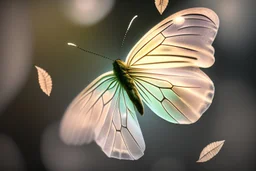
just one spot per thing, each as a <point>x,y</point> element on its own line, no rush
<point>178,95</point>
<point>120,135</point>
<point>104,113</point>
<point>183,39</point>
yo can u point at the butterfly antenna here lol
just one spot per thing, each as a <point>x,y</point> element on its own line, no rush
<point>74,45</point>
<point>128,29</point>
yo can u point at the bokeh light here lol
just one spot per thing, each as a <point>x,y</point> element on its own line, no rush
<point>87,12</point>
<point>15,49</point>
<point>236,30</point>
<point>168,164</point>
<point>10,156</point>
<point>57,156</point>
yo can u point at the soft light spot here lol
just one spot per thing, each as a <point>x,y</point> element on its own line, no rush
<point>11,158</point>
<point>179,20</point>
<point>87,12</point>
<point>15,49</point>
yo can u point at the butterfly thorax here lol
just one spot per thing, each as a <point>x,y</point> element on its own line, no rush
<point>127,82</point>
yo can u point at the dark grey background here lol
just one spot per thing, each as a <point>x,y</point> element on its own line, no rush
<point>36,33</point>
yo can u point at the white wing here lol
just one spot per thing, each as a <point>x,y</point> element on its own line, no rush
<point>165,65</point>
<point>178,95</point>
<point>104,113</point>
<point>120,136</point>
<point>183,39</point>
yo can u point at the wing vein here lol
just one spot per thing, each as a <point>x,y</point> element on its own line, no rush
<point>149,91</point>
<point>179,35</point>
<point>185,48</point>
<point>177,108</point>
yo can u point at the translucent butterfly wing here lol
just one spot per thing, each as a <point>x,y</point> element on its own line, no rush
<point>183,39</point>
<point>120,136</point>
<point>164,65</point>
<point>103,112</point>
<point>178,95</point>
<point>77,125</point>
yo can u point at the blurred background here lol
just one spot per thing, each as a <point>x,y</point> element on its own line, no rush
<point>36,33</point>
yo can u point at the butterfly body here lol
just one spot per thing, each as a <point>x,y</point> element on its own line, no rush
<point>122,75</point>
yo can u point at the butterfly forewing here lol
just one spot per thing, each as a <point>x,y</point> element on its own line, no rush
<point>183,39</point>
<point>77,125</point>
<point>104,113</point>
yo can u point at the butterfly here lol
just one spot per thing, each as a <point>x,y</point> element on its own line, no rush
<point>162,71</point>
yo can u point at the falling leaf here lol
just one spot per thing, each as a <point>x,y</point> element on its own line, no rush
<point>210,151</point>
<point>44,80</point>
<point>161,5</point>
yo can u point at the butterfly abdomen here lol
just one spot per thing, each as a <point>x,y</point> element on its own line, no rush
<point>120,71</point>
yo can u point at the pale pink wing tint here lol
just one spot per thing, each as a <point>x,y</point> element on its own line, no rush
<point>104,113</point>
<point>165,65</point>
<point>178,95</point>
<point>183,39</point>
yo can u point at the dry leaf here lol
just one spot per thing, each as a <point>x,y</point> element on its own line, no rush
<point>210,151</point>
<point>161,5</point>
<point>44,80</point>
